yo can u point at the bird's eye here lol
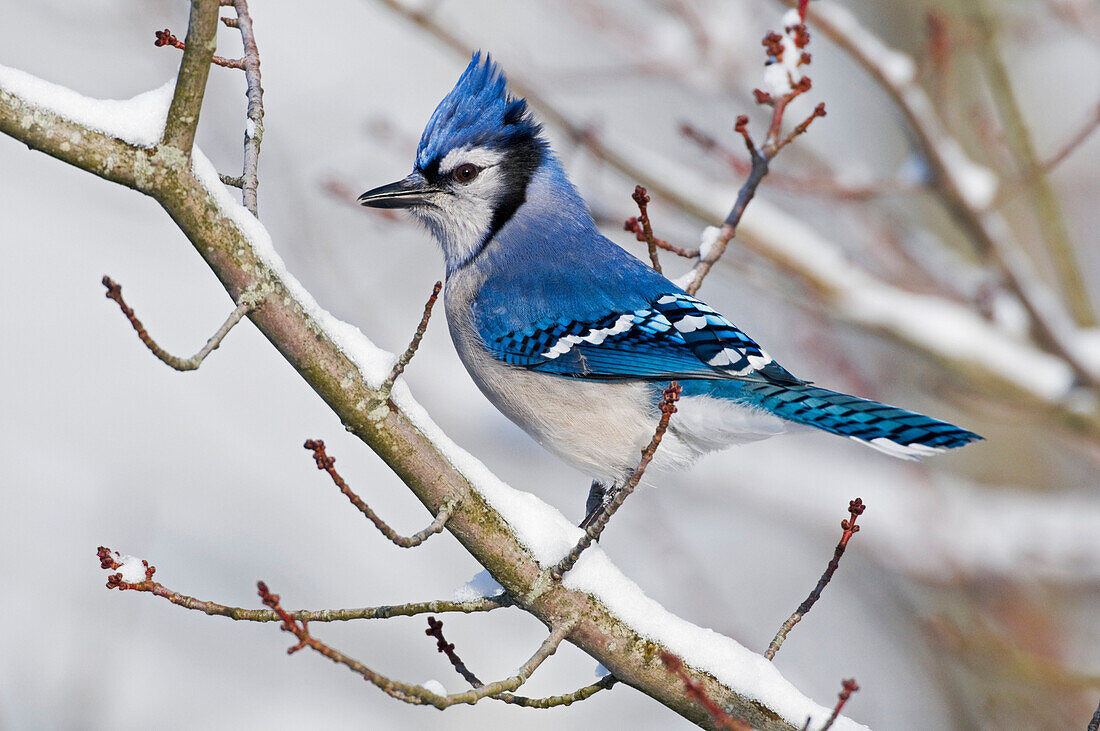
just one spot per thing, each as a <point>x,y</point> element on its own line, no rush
<point>465,172</point>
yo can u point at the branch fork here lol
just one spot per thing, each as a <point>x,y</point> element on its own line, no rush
<point>435,629</point>
<point>249,303</point>
<point>412,694</point>
<point>326,463</point>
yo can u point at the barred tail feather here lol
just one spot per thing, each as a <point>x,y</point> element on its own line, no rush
<point>896,432</point>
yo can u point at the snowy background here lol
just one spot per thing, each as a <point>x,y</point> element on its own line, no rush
<point>968,599</point>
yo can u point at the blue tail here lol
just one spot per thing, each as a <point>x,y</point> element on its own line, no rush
<point>889,429</point>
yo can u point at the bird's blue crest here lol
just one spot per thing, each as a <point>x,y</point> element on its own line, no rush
<point>478,111</point>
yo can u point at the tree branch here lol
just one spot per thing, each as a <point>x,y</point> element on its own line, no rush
<point>385,611</point>
<point>847,688</point>
<point>855,509</point>
<point>114,292</point>
<point>435,629</point>
<point>413,694</point>
<point>183,115</point>
<point>325,463</point>
<point>407,356</point>
<point>254,127</point>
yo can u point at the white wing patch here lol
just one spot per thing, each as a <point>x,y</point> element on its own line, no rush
<point>910,452</point>
<point>566,342</point>
<point>691,323</point>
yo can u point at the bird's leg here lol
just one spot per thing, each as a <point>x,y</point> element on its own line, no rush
<point>598,497</point>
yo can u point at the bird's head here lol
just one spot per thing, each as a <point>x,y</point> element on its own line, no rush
<point>476,157</point>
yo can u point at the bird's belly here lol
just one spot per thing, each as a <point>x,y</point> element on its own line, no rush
<point>599,428</point>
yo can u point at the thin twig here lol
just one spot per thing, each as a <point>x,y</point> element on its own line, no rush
<point>592,532</point>
<point>634,226</point>
<point>234,180</point>
<point>435,629</point>
<point>325,462</point>
<point>848,687</point>
<point>855,509</point>
<point>254,125</point>
<point>166,38</point>
<point>696,691</point>
<point>413,694</point>
<point>403,361</point>
<point>384,611</point>
<point>642,199</point>
<point>760,157</point>
<point>1074,142</point>
<point>114,292</point>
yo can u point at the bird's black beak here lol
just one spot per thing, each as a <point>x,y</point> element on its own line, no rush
<point>412,191</point>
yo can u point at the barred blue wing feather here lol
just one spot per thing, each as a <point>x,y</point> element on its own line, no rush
<point>676,336</point>
<point>895,431</point>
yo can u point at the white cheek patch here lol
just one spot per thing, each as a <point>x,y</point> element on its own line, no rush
<point>480,156</point>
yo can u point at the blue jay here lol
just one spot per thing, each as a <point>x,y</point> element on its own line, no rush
<point>574,339</point>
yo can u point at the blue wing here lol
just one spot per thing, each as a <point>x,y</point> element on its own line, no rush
<point>675,336</point>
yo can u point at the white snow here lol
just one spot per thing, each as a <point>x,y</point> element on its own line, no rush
<point>977,184</point>
<point>138,121</point>
<point>707,241</point>
<point>434,686</point>
<point>480,586</point>
<point>249,128</point>
<point>373,363</point>
<point>777,79</point>
<point>132,569</point>
<point>782,74</point>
